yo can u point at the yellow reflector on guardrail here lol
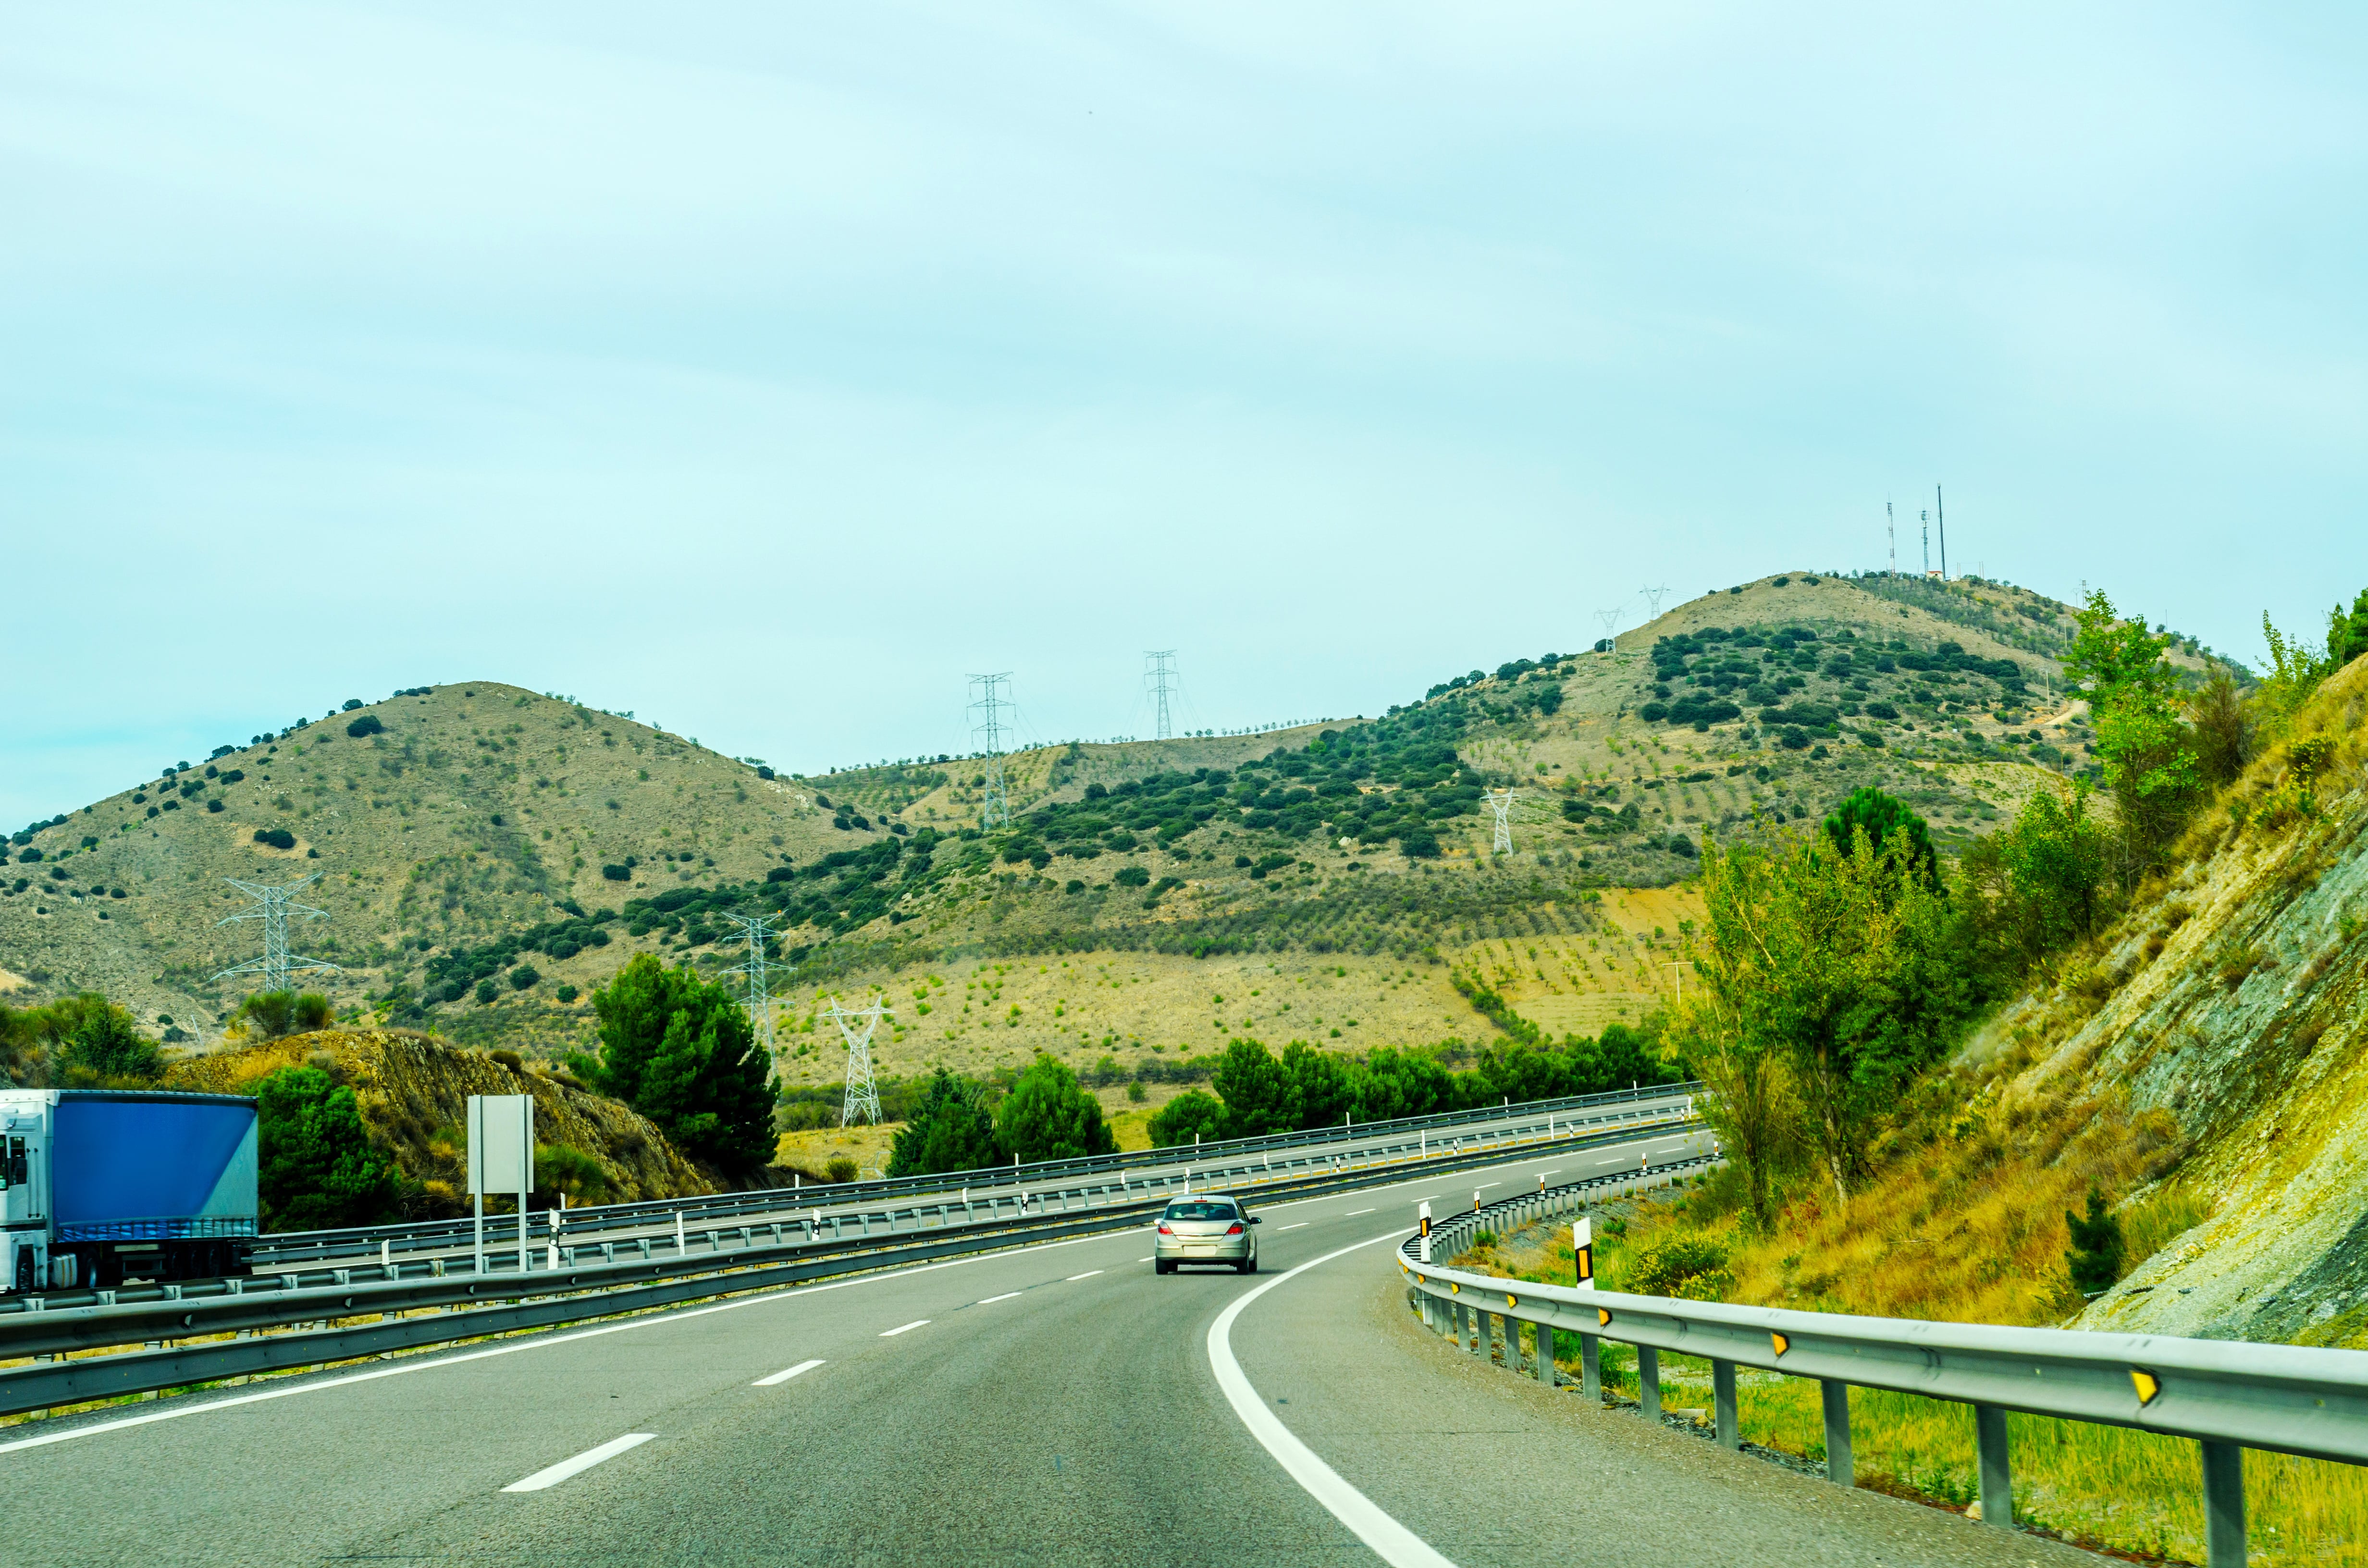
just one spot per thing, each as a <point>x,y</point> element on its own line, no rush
<point>2147,1385</point>
<point>1781,1343</point>
<point>1511,1302</point>
<point>1602,1318</point>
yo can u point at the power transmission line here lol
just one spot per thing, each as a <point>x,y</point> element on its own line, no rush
<point>995,805</point>
<point>272,906</point>
<point>1501,802</point>
<point>862,1094</point>
<point>1159,678</point>
<point>758,932</point>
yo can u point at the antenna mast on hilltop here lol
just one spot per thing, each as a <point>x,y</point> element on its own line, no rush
<point>1941,516</point>
<point>1925,518</point>
<point>1652,597</point>
<point>862,1094</point>
<point>1160,680</point>
<point>993,806</point>
<point>757,931</point>
<point>1891,536</point>
<point>1501,802</point>
<point>272,906</point>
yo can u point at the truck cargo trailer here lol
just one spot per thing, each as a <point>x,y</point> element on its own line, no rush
<point>101,1185</point>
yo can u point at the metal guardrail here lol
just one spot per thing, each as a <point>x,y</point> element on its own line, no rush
<point>2226,1395</point>
<point>588,1282</point>
<point>292,1247</point>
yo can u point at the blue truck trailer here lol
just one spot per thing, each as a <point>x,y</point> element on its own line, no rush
<point>101,1185</point>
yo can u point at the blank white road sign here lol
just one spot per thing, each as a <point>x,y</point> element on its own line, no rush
<point>501,1144</point>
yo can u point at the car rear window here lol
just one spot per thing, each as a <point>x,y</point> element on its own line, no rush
<point>1200,1211</point>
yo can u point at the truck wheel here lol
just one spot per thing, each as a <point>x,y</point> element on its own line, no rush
<point>25,1270</point>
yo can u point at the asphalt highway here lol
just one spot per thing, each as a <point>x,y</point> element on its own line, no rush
<point>1053,1405</point>
<point>989,1198</point>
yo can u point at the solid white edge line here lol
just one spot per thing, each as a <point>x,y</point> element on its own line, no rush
<point>782,1377</point>
<point>905,1328</point>
<point>990,1301</point>
<point>1088,1274</point>
<point>542,1480</point>
<point>1391,1541</point>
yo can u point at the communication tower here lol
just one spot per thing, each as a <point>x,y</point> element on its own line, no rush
<point>1925,516</point>
<point>1161,680</point>
<point>757,930</point>
<point>862,1094</point>
<point>1891,536</point>
<point>991,705</point>
<point>273,906</point>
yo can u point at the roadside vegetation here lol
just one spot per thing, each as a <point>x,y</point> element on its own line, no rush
<point>1909,1084</point>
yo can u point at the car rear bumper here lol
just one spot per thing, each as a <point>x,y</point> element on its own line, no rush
<point>1201,1249</point>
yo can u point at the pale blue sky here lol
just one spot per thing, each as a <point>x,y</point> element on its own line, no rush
<point>764,369</point>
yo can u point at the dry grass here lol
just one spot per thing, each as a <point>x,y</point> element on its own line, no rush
<point>2106,1486</point>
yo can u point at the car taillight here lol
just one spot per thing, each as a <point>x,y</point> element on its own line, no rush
<point>1236,1229</point>
<point>1164,1230</point>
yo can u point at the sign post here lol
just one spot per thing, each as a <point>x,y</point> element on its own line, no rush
<point>1582,1250</point>
<point>1426,1230</point>
<point>501,1159</point>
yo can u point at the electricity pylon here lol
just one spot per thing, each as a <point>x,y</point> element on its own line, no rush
<point>1158,677</point>
<point>993,806</point>
<point>1501,802</point>
<point>1652,597</point>
<point>862,1094</point>
<point>272,906</point>
<point>757,930</point>
<point>1609,620</point>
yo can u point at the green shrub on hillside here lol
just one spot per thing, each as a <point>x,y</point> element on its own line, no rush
<point>1047,1116</point>
<point>682,1052</point>
<point>1188,1118</point>
<point>951,1129</point>
<point>318,1169</point>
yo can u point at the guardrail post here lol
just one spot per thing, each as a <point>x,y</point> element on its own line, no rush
<point>1590,1368</point>
<point>1648,1382</point>
<point>1838,1434</point>
<point>2224,1505</point>
<point>1997,1479</point>
<point>1730,1423</point>
<point>1545,1368</point>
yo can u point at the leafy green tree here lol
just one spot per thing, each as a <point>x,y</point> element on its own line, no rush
<point>318,1169</point>
<point>2223,730</point>
<point>681,1051</point>
<point>2039,886</point>
<point>269,1013</point>
<point>948,1130</point>
<point>2347,635</point>
<point>1256,1089</point>
<point>1839,966</point>
<point>1392,1084</point>
<point>105,1044</point>
<point>1884,819</point>
<point>2149,754</point>
<point>1048,1116</point>
<point>1320,1094</point>
<point>2095,1254</point>
<point>1193,1115</point>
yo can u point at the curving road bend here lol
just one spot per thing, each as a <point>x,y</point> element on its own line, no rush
<point>1054,1404</point>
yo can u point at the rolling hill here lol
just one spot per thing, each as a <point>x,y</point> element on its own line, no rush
<point>487,855</point>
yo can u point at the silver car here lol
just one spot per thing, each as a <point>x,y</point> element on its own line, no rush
<point>1212,1228</point>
